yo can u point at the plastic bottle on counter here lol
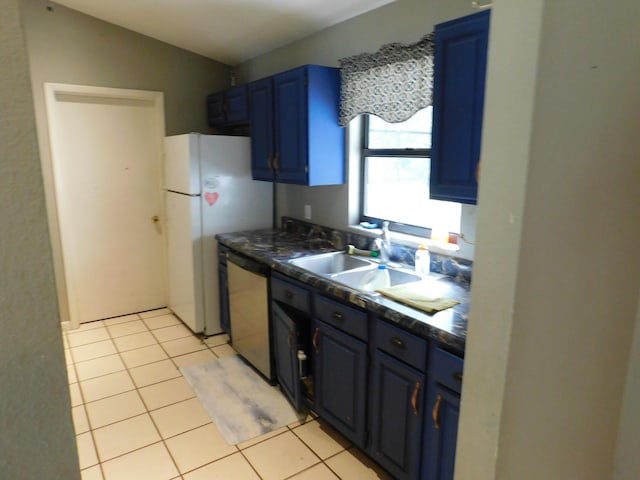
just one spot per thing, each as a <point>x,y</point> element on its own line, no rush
<point>423,261</point>
<point>378,278</point>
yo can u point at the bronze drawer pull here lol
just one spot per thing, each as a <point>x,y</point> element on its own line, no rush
<point>396,342</point>
<point>315,340</point>
<point>288,295</point>
<point>457,377</point>
<point>435,413</point>
<point>414,398</point>
<point>337,316</point>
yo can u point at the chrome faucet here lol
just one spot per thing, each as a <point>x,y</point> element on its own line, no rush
<point>383,243</point>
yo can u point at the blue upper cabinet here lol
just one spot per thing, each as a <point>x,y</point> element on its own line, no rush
<point>228,107</point>
<point>458,100</point>
<point>290,97</point>
<point>261,129</point>
<point>298,110</point>
<point>215,109</point>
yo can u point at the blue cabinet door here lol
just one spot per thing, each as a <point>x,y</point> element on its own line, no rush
<point>441,433</point>
<point>236,105</point>
<point>228,107</point>
<point>290,103</point>
<point>223,288</point>
<point>340,381</point>
<point>458,101</point>
<point>397,416</point>
<point>295,136</point>
<point>215,109</point>
<point>261,129</point>
<point>285,339</point>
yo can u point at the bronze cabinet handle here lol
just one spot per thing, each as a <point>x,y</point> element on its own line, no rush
<point>396,342</point>
<point>288,295</point>
<point>337,316</point>
<point>276,163</point>
<point>414,398</point>
<point>435,413</point>
<point>315,340</point>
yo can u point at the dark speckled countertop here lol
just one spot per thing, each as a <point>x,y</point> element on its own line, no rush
<point>275,248</point>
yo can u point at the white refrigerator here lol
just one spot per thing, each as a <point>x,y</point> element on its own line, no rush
<point>207,190</point>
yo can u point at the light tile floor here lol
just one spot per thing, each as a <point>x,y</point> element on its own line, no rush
<point>137,418</point>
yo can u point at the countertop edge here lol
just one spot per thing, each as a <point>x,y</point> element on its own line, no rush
<point>417,322</point>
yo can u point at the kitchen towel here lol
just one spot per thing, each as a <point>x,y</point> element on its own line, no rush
<point>418,295</point>
<point>239,401</point>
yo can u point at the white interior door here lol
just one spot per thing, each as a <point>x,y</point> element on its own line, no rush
<point>106,150</point>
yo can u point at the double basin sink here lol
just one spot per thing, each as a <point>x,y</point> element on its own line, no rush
<point>351,271</point>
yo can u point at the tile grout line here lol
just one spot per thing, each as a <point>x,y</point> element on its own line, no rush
<point>251,464</point>
<point>322,460</point>
<point>289,428</point>
<point>147,411</point>
<point>84,403</point>
<point>102,469</point>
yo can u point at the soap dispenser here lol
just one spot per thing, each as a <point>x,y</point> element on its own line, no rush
<point>423,261</point>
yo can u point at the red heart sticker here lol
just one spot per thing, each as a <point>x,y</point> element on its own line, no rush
<point>211,197</point>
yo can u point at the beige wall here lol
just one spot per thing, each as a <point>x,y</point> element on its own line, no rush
<point>404,21</point>
<point>557,271</point>
<point>627,464</point>
<point>36,431</point>
<point>66,46</point>
<point>556,281</point>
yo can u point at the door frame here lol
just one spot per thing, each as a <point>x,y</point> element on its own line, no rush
<point>51,90</point>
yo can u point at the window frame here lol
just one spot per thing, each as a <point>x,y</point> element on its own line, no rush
<point>387,152</point>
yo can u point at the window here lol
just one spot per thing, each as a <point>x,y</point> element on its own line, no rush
<point>396,162</point>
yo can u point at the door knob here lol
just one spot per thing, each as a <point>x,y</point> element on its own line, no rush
<point>155,219</point>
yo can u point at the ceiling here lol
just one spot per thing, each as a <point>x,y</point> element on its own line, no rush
<point>230,31</point>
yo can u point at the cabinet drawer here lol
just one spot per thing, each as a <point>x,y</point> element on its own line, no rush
<point>446,369</point>
<point>402,345</point>
<point>290,294</point>
<point>347,319</point>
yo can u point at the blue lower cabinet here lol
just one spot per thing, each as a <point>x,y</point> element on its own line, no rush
<point>285,335</point>
<point>340,381</point>
<point>441,433</point>
<point>223,292</point>
<point>443,403</point>
<point>397,416</point>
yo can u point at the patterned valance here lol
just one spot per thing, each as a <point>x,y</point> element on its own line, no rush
<point>393,83</point>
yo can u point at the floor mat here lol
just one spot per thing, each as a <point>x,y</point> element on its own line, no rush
<point>240,402</point>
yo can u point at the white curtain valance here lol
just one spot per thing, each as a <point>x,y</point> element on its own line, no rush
<point>393,83</point>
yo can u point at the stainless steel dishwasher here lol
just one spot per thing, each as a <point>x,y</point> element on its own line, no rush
<point>249,311</point>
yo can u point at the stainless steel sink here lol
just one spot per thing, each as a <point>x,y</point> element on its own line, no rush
<point>330,263</point>
<point>358,278</point>
<point>351,271</point>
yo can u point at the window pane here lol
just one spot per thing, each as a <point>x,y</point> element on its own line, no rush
<point>413,133</point>
<point>397,189</point>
